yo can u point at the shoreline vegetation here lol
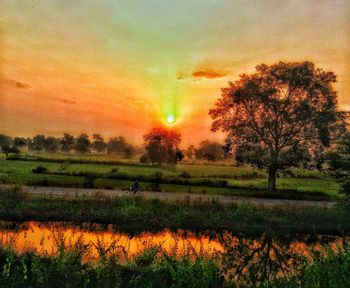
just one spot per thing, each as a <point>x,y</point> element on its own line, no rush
<point>134,214</point>
<point>267,262</point>
<point>154,267</point>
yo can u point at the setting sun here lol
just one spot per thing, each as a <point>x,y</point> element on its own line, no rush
<point>170,119</point>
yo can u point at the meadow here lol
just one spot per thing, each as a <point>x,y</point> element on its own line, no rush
<point>192,177</point>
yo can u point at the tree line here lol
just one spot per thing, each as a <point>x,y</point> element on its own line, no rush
<point>82,144</point>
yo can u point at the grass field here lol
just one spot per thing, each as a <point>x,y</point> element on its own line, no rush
<point>218,178</point>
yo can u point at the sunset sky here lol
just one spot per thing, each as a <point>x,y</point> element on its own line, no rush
<point>122,67</point>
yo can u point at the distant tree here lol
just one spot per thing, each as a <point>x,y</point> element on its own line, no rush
<point>280,108</point>
<point>162,145</point>
<point>116,145</point>
<point>119,146</point>
<point>129,151</point>
<point>19,142</point>
<point>67,142</point>
<point>38,143</point>
<point>5,144</point>
<point>82,144</point>
<point>5,140</point>
<point>190,152</point>
<point>98,143</point>
<point>251,154</point>
<point>144,159</point>
<point>51,144</point>
<point>211,151</point>
<point>179,156</point>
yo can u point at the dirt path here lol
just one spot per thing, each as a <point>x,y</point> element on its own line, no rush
<point>168,196</point>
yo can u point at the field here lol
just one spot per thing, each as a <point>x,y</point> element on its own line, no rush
<point>251,236</point>
<point>191,177</point>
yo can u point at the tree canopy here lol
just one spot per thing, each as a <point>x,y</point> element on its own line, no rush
<point>280,109</point>
<point>162,146</point>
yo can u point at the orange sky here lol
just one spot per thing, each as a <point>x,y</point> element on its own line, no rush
<point>122,67</point>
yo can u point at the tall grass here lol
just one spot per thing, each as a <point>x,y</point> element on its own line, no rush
<point>154,267</point>
<point>137,213</point>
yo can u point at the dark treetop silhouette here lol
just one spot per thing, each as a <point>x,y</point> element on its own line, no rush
<point>281,108</point>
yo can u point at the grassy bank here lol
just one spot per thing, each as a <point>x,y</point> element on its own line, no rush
<point>153,267</point>
<point>132,214</point>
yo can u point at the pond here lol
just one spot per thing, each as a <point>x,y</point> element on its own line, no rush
<point>49,237</point>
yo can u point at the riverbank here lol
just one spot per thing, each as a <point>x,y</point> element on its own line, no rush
<point>154,267</point>
<point>133,214</point>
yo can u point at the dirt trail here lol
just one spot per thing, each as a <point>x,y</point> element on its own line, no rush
<point>168,196</point>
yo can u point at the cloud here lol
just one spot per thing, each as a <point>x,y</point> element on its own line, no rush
<point>209,74</point>
<point>200,74</point>
<point>14,83</point>
<point>68,101</point>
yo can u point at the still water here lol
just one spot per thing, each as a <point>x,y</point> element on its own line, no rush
<point>47,238</point>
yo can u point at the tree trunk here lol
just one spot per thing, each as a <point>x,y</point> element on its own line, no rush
<point>272,178</point>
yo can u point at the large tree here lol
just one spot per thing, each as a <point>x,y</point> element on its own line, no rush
<point>162,146</point>
<point>281,108</point>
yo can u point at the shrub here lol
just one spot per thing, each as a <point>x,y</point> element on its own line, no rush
<point>144,159</point>
<point>13,196</point>
<point>40,170</point>
<point>185,174</point>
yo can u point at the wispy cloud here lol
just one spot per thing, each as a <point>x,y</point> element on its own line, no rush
<point>201,74</point>
<point>68,101</point>
<point>14,83</point>
<point>209,74</point>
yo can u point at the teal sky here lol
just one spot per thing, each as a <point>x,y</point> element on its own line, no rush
<point>122,67</point>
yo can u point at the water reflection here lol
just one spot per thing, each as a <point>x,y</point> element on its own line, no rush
<point>47,238</point>
<point>241,259</point>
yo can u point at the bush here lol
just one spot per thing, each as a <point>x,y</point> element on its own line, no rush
<point>144,159</point>
<point>185,174</point>
<point>40,170</point>
<point>112,171</point>
<point>13,196</point>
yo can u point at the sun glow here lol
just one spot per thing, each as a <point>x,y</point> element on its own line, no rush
<point>170,119</point>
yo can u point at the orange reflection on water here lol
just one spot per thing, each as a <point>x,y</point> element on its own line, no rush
<point>47,238</point>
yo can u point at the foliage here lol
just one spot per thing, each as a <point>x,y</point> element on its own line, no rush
<point>40,170</point>
<point>82,144</point>
<point>211,151</point>
<point>162,146</point>
<point>282,108</point>
<point>98,144</point>
<point>328,270</point>
<point>133,214</point>
<point>67,142</point>
<point>339,161</point>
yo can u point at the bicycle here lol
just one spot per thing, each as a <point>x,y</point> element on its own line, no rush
<point>132,190</point>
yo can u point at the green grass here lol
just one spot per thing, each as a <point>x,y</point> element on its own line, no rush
<point>136,214</point>
<point>94,172</point>
<point>151,268</point>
